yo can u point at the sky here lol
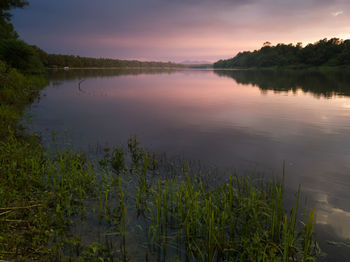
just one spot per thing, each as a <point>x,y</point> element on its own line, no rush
<point>177,30</point>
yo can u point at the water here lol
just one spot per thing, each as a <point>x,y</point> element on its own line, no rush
<point>241,119</point>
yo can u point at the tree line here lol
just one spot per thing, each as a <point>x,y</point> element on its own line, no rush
<point>31,59</point>
<point>332,52</point>
<point>59,61</point>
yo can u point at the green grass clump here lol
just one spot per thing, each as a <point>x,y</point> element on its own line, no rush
<point>241,220</point>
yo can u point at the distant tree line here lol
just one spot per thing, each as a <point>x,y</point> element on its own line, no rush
<point>31,59</point>
<point>59,61</point>
<point>332,52</point>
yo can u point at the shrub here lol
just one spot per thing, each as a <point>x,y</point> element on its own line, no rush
<point>18,54</point>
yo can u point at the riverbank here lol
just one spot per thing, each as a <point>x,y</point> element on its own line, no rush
<point>132,204</point>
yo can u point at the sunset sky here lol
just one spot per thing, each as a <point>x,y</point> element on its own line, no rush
<point>177,30</point>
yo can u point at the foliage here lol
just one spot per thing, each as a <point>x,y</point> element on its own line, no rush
<point>60,61</point>
<point>30,59</point>
<point>332,52</point>
<point>19,55</point>
<point>6,28</point>
<point>6,5</point>
<point>16,53</point>
<point>16,91</point>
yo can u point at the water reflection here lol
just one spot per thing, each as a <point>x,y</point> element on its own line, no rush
<point>331,200</point>
<point>72,74</point>
<point>320,84</point>
<point>244,119</point>
<point>330,215</point>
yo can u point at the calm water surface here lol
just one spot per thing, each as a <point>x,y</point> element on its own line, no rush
<point>241,119</point>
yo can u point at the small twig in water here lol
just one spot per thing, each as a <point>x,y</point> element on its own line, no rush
<point>80,84</point>
<point>6,212</point>
<point>13,208</point>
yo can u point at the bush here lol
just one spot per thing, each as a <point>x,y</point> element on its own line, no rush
<point>7,30</point>
<point>19,55</point>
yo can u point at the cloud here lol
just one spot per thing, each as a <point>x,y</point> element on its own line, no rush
<point>340,12</point>
<point>163,28</point>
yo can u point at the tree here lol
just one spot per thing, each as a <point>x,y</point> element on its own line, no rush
<point>6,5</point>
<point>332,52</point>
<point>6,28</point>
<point>18,54</point>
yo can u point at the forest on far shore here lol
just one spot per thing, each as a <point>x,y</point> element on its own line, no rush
<point>58,61</point>
<point>26,58</point>
<point>332,52</point>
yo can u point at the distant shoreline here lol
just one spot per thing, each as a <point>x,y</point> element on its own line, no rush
<point>282,68</point>
<point>78,68</point>
<point>286,68</point>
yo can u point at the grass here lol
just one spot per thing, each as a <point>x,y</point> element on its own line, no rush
<point>132,204</point>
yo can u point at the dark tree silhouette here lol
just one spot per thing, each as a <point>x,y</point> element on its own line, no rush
<point>332,52</point>
<point>6,28</point>
<point>6,5</point>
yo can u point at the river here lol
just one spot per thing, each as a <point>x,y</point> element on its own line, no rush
<point>247,120</point>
